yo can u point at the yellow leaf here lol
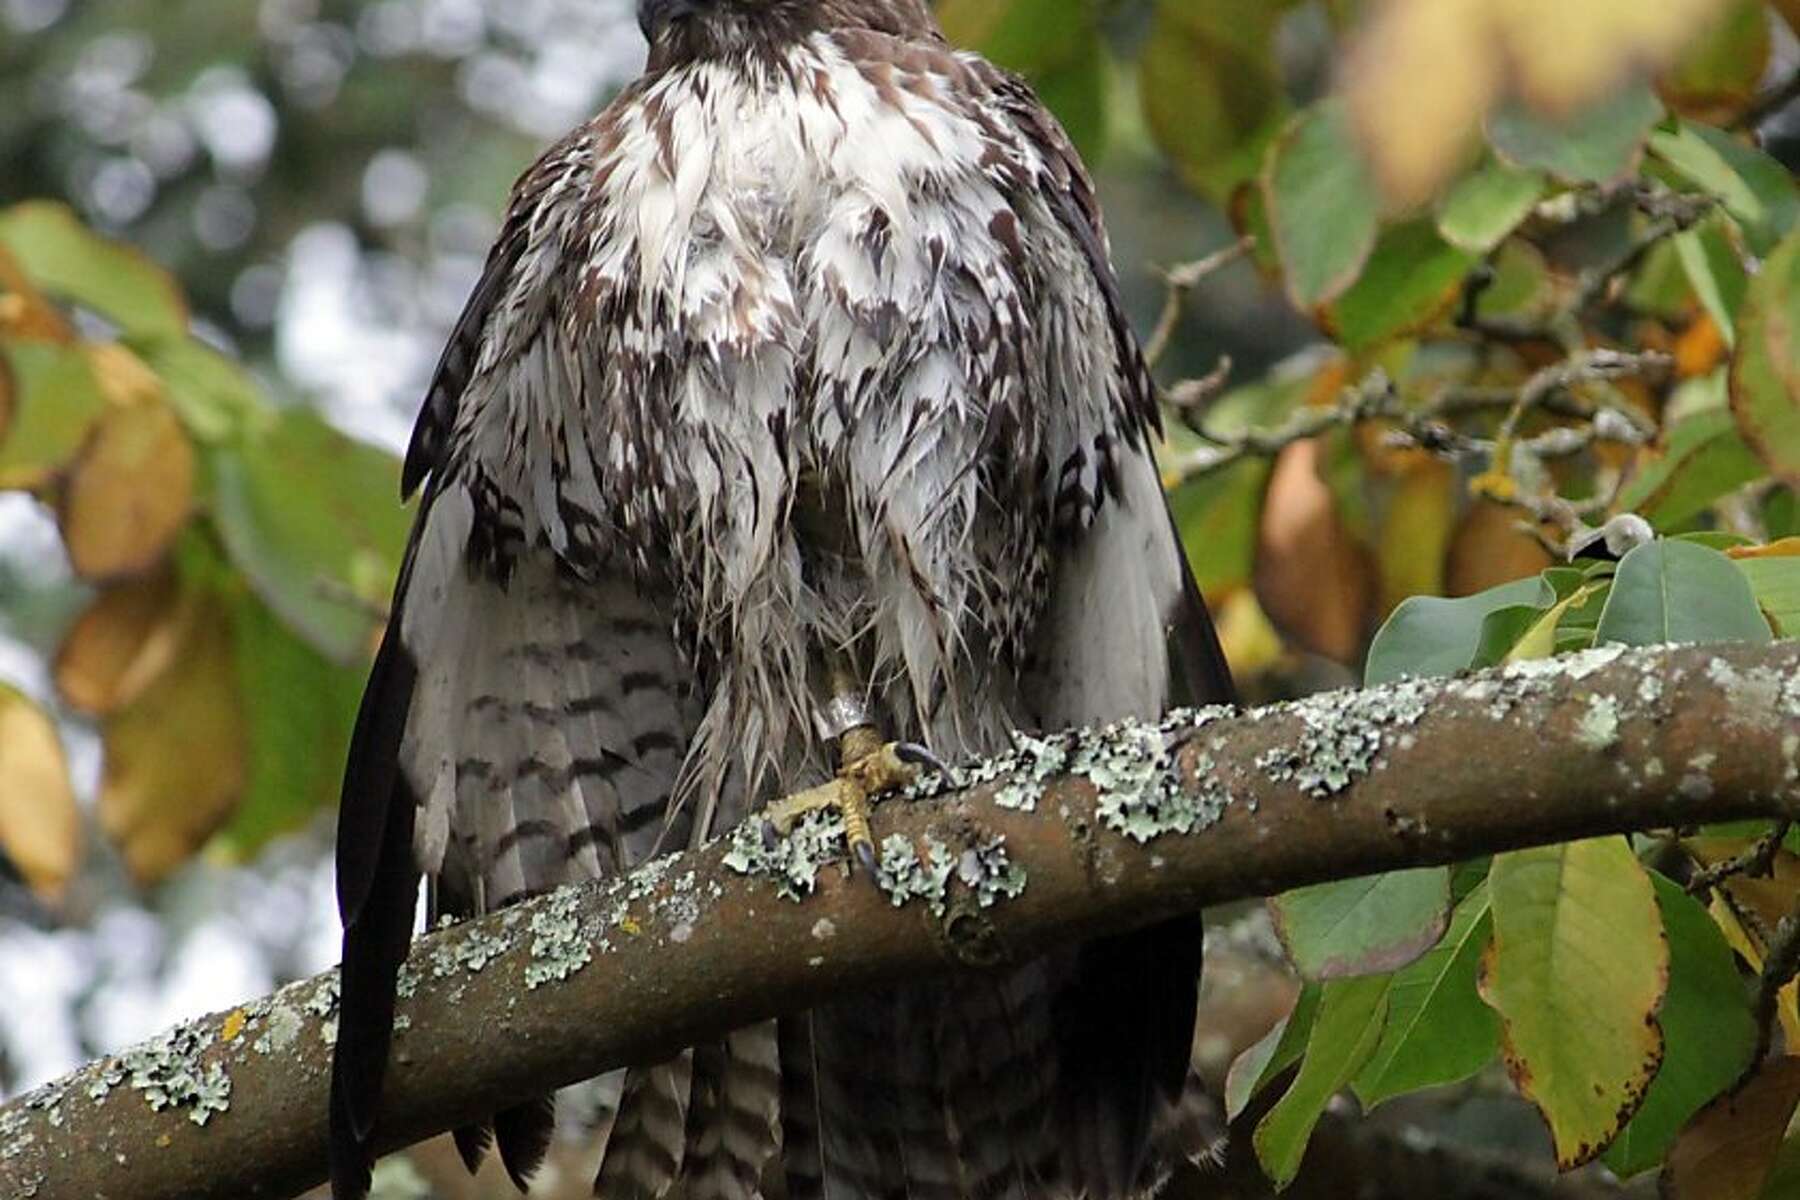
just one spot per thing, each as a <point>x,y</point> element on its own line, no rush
<point>1577,992</point>
<point>124,640</point>
<point>1251,644</point>
<point>1416,532</point>
<point>1419,82</point>
<point>132,486</point>
<point>176,757</point>
<point>1540,640</point>
<point>1424,73</point>
<point>40,829</point>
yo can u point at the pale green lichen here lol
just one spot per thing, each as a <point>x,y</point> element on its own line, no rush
<point>792,860</point>
<point>169,1072</point>
<point>324,998</point>
<point>558,947</point>
<point>903,874</point>
<point>1342,735</point>
<point>1129,763</point>
<point>987,871</point>
<point>471,951</point>
<point>15,1138</point>
<point>281,1028</point>
<point>1598,728</point>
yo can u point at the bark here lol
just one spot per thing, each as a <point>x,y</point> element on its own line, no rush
<point>1073,836</point>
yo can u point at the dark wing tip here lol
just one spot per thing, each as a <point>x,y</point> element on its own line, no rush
<point>472,1142</point>
<point>352,1162</point>
<point>523,1134</point>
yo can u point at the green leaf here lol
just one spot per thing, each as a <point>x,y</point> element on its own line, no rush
<point>1363,926</point>
<point>1438,1030</point>
<point>58,399</point>
<point>1781,513</point>
<point>1600,144</point>
<point>1703,458</point>
<point>1212,92</point>
<point>1412,278</point>
<point>1428,635</point>
<point>313,520</point>
<point>1707,1026</point>
<point>1671,591</point>
<point>71,262</point>
<point>1718,71</point>
<point>1485,206</point>
<point>214,396</point>
<point>299,709</point>
<point>1503,629</point>
<point>1715,271</point>
<point>1277,1050</point>
<point>1053,43</point>
<point>1521,284</point>
<point>1775,582</point>
<point>1323,206</point>
<point>1351,1013</point>
<point>1216,515</point>
<point>1765,372</point>
<point>1577,969</point>
<point>1754,188</point>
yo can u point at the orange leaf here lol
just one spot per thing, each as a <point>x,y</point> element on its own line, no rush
<point>1489,548</point>
<point>176,757</point>
<point>119,646</point>
<point>1727,1150</point>
<point>131,488</point>
<point>1313,578</point>
<point>1787,547</point>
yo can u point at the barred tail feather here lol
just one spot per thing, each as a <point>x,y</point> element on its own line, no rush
<point>644,1151</point>
<point>736,1103</point>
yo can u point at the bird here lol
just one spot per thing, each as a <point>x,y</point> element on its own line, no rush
<point>795,420</point>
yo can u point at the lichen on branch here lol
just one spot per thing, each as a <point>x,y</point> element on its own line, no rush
<point>1067,836</point>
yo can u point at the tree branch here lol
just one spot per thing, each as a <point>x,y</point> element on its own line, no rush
<point>1073,836</point>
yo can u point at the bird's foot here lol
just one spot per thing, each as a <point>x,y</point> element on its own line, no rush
<point>871,768</point>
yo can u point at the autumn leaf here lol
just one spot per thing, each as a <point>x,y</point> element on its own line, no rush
<point>131,489</point>
<point>1313,578</point>
<point>1425,73</point>
<point>120,645</point>
<point>40,828</point>
<point>176,756</point>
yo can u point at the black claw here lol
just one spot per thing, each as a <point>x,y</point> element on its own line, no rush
<point>915,755</point>
<point>770,839</point>
<point>865,854</point>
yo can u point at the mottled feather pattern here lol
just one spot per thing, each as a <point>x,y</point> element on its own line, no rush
<point>807,344</point>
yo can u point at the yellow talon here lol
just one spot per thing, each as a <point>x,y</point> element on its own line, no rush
<point>868,767</point>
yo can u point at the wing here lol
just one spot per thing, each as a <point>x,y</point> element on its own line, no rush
<point>1127,633</point>
<point>526,716</point>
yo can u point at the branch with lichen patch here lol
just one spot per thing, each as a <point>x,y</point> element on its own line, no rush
<point>1075,835</point>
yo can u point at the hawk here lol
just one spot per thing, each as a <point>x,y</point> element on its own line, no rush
<point>796,401</point>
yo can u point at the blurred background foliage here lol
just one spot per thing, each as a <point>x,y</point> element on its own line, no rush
<point>1437,289</point>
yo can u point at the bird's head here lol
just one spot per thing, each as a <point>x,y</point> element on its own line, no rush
<point>682,30</point>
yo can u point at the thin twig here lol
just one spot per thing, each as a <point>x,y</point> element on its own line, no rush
<point>1190,398</point>
<point>1182,280</point>
<point>1755,863</point>
<point>1373,397</point>
<point>1781,962</point>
